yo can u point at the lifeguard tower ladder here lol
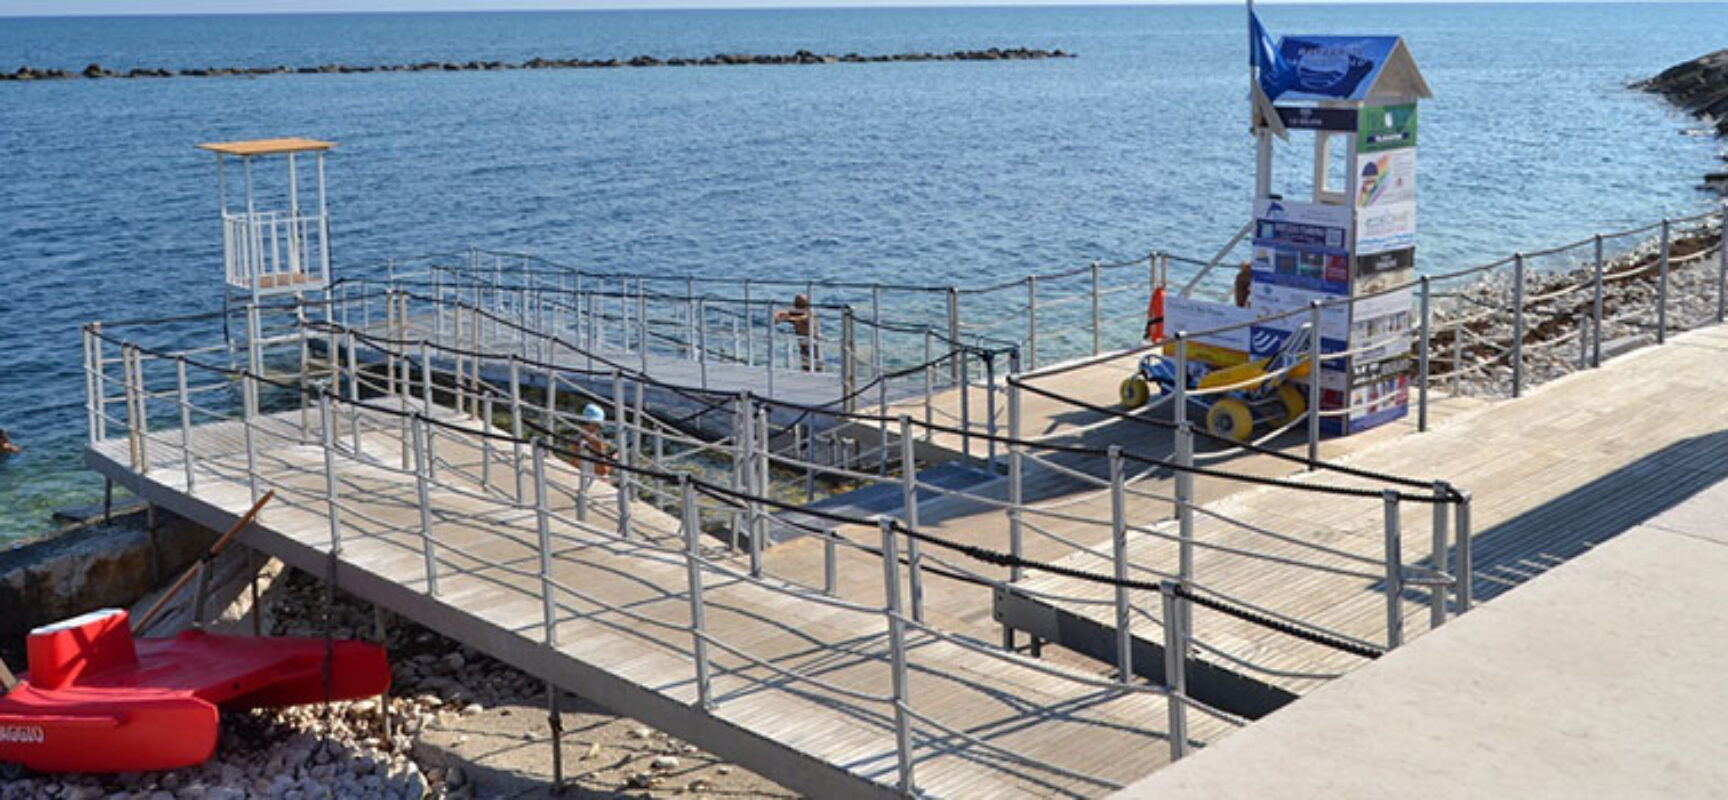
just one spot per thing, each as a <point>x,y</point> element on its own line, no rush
<point>268,253</point>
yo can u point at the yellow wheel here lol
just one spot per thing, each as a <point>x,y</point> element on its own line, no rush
<point>1293,401</point>
<point>1229,418</point>
<point>1135,392</point>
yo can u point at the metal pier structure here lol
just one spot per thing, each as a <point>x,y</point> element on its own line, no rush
<point>1119,589</point>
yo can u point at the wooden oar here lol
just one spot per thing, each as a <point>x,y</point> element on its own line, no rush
<point>203,563</point>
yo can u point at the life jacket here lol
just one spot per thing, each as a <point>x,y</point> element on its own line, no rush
<point>1155,316</point>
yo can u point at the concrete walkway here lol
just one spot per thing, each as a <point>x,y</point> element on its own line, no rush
<point>1601,678</point>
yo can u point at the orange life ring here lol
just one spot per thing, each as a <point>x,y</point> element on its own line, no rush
<point>1155,316</point>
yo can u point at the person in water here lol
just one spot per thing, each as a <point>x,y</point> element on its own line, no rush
<point>803,320</point>
<point>7,448</point>
<point>591,447</point>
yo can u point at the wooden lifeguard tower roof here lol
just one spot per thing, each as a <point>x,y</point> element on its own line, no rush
<point>267,147</point>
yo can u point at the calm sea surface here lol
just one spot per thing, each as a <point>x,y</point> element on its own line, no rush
<point>928,172</point>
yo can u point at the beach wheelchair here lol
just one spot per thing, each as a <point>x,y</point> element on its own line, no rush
<point>1235,399</point>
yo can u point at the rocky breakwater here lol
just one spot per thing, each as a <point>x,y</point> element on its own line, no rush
<point>1699,86</point>
<point>799,58</point>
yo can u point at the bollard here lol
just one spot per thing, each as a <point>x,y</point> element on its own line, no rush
<point>897,650</point>
<point>1422,357</point>
<point>1662,287</point>
<point>1119,557</point>
<point>1518,325</point>
<point>1176,668</point>
<point>693,563</point>
<point>1394,572</point>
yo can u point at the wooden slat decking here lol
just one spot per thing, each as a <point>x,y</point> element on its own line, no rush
<point>621,628</point>
<point>1552,474</point>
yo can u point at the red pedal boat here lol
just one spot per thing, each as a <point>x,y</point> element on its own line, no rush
<point>95,700</point>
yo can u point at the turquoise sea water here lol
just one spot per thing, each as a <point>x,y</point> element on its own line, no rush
<point>928,172</point>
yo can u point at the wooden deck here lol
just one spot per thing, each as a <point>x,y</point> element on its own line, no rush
<point>622,624</point>
<point>1552,474</point>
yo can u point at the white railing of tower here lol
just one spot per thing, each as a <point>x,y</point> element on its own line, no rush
<point>417,391</point>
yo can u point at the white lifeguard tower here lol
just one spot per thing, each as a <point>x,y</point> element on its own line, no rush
<point>269,252</point>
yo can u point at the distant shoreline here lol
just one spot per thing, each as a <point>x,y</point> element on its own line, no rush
<point>800,58</point>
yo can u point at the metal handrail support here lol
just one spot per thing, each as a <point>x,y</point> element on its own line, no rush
<point>909,494</point>
<point>1422,356</point>
<point>1097,313</point>
<point>1184,489</point>
<point>185,420</point>
<point>1315,369</point>
<point>1031,323</point>
<point>954,325</point>
<point>622,446</point>
<point>428,545</point>
<point>897,649</point>
<point>1394,573</point>
<point>1016,469</point>
<point>1722,269</point>
<point>328,439</point>
<point>1175,668</point>
<point>1596,307</point>
<point>693,562</point>
<point>1181,381</point>
<point>1662,286</point>
<point>543,523</point>
<point>1119,565</point>
<point>1188,288</point>
<point>1465,568</point>
<point>1437,556</point>
<point>1518,325</point>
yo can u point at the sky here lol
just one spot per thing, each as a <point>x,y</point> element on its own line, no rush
<point>75,7</point>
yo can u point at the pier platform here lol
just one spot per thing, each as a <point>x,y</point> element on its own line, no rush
<point>1601,678</point>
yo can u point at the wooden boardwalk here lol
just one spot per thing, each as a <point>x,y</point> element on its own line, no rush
<point>1552,474</point>
<point>806,706</point>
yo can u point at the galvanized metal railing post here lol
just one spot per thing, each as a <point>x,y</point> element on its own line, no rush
<point>1662,286</point>
<point>1097,312</point>
<point>427,545</point>
<point>1016,466</point>
<point>543,524</point>
<point>1394,572</point>
<point>249,394</point>
<point>954,325</point>
<point>929,381</point>
<point>764,487</point>
<point>1175,611</point>
<point>897,650</point>
<point>963,355</point>
<point>693,563</point>
<point>426,376</point>
<point>1184,487</point>
<point>848,360</point>
<point>1722,268</point>
<point>354,387</point>
<point>1181,387</point>
<point>486,447</point>
<point>701,324</point>
<point>1316,368</point>
<point>1596,308</point>
<point>516,423</point>
<point>622,444</point>
<point>1465,568</point>
<point>1437,556</point>
<point>909,498</point>
<point>1518,325</point>
<point>1119,568</point>
<point>94,401</point>
<point>185,420</point>
<point>1422,356</point>
<point>1032,322</point>
<point>331,486</point>
<point>990,411</point>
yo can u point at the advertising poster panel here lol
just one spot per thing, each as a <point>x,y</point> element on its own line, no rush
<point>1202,319</point>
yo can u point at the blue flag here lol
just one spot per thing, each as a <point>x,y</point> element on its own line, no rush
<point>1275,74</point>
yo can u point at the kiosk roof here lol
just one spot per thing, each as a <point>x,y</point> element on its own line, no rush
<point>267,147</point>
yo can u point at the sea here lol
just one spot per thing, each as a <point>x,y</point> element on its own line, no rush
<point>939,172</point>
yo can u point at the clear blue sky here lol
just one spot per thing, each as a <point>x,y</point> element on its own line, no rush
<point>71,7</point>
